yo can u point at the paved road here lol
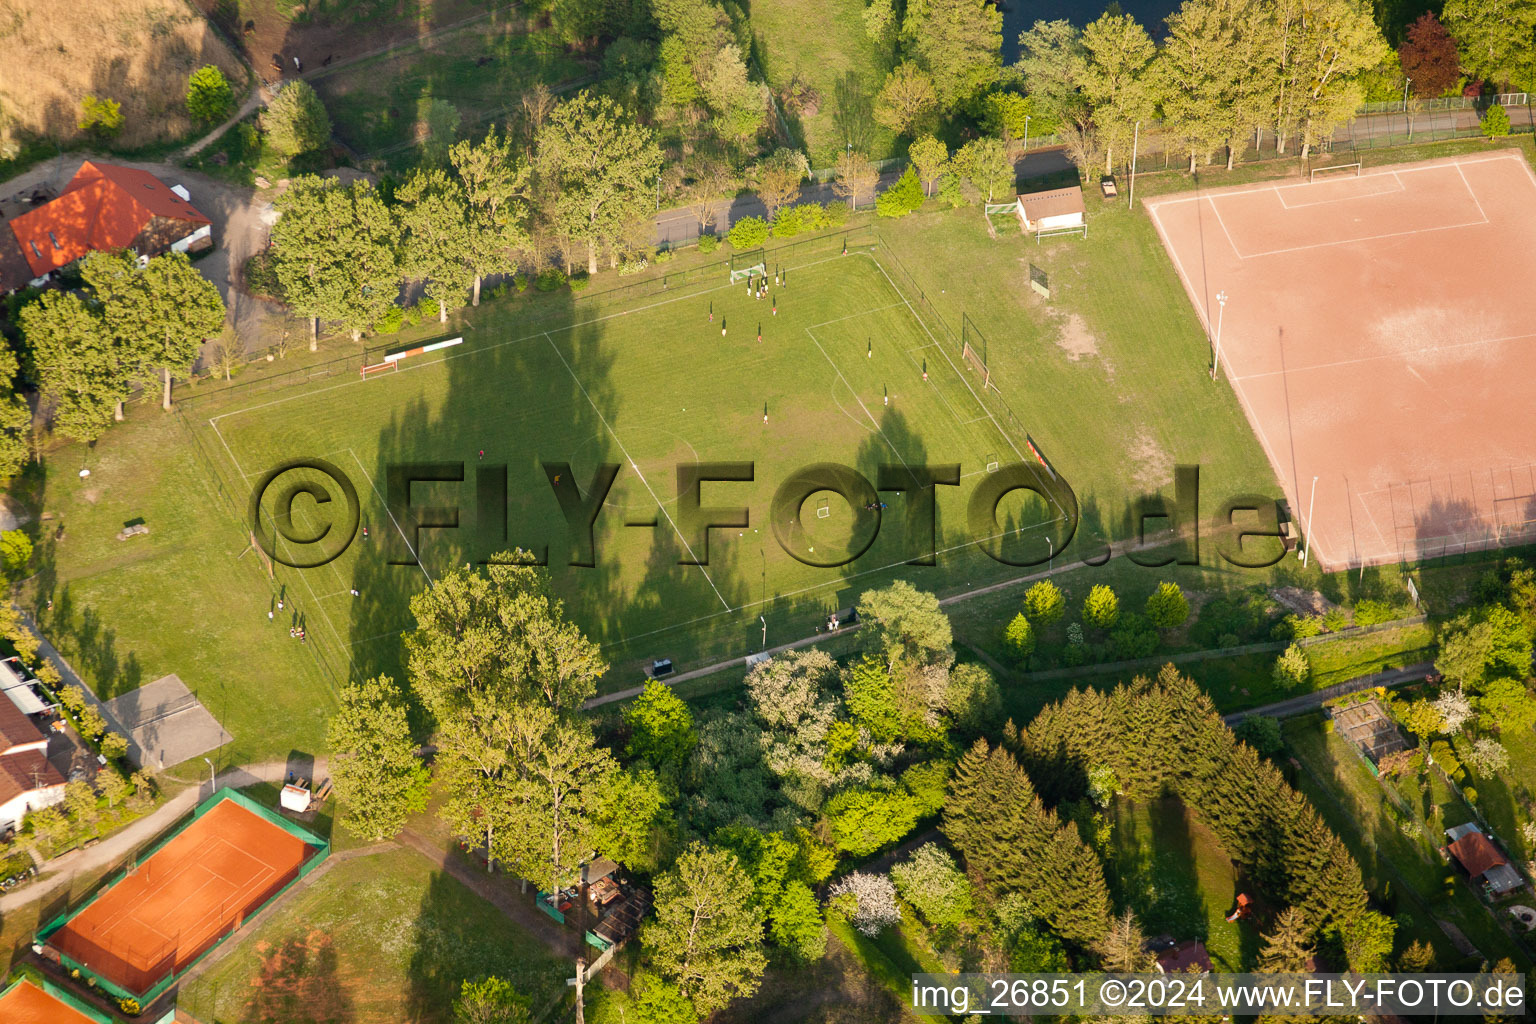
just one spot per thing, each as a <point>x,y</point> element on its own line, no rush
<point>806,641</point>
<point>680,226</point>
<point>1310,701</point>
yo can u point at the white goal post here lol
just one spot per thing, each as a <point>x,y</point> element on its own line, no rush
<point>755,270</point>
<point>1339,170</point>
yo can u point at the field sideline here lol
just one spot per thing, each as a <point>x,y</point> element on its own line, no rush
<point>838,377</point>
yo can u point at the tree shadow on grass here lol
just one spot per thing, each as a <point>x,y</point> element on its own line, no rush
<point>296,981</point>
<point>91,647</point>
<point>458,937</point>
<point>1152,869</point>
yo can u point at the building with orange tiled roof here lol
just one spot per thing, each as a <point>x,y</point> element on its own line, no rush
<point>104,207</point>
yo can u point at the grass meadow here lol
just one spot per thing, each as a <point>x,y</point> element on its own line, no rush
<point>382,936</point>
<point>1108,378</point>
<point>838,61</point>
<point>190,597</point>
<point>138,53</point>
<point>377,105</point>
<point>1169,868</point>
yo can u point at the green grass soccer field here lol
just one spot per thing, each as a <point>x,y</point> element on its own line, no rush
<point>845,373</point>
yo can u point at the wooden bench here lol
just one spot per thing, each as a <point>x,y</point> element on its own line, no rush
<point>1107,183</point>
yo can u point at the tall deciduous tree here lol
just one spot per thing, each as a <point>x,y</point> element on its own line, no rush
<point>295,120</point>
<point>439,247</point>
<point>959,42</point>
<point>601,167</point>
<point>1052,61</point>
<point>495,181</point>
<point>160,314</point>
<point>1325,46</point>
<point>710,179</point>
<point>984,162</point>
<point>707,934</point>
<point>777,178</point>
<point>1429,58</point>
<point>336,252</point>
<point>379,779</point>
<point>556,799</point>
<point>856,177</point>
<point>907,98</point>
<point>1116,80</point>
<point>79,368</point>
<point>489,1000</point>
<point>1198,77</point>
<point>15,418</point>
<point>481,635</point>
<point>911,627</point>
<point>1497,38</point>
<point>931,158</point>
<point>209,96</point>
<point>661,731</point>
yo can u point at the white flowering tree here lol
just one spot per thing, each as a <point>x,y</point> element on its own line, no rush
<point>1455,710</point>
<point>1488,757</point>
<point>868,901</point>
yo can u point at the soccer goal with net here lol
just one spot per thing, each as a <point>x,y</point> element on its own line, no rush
<point>973,349</point>
<point>748,264</point>
<point>1336,171</point>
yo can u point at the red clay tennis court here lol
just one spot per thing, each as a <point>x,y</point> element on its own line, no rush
<point>177,903</point>
<point>25,1003</point>
<point>1379,334</point>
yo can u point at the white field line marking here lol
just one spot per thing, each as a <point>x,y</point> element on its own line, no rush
<point>1223,225</point>
<point>1471,193</point>
<point>1407,354</point>
<point>1280,191</point>
<point>493,346</point>
<point>1246,190</point>
<point>414,553</point>
<point>839,371</point>
<point>635,466</point>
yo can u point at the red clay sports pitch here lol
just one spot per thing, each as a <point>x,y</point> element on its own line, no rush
<point>1380,335</point>
<point>166,913</point>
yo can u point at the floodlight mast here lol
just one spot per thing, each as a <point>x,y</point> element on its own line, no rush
<point>1221,301</point>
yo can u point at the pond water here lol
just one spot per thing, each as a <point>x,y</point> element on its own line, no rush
<point>1019,15</point>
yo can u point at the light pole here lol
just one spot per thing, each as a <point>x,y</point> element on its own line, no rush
<point>213,782</point>
<point>1406,117</point>
<point>1050,565</point>
<point>1311,502</point>
<point>1221,301</point>
<point>1130,199</point>
<point>1026,133</point>
<point>764,620</point>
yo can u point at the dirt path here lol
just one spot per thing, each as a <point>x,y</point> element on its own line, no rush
<point>562,941</point>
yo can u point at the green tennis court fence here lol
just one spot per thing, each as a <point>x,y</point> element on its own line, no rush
<point>322,849</point>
